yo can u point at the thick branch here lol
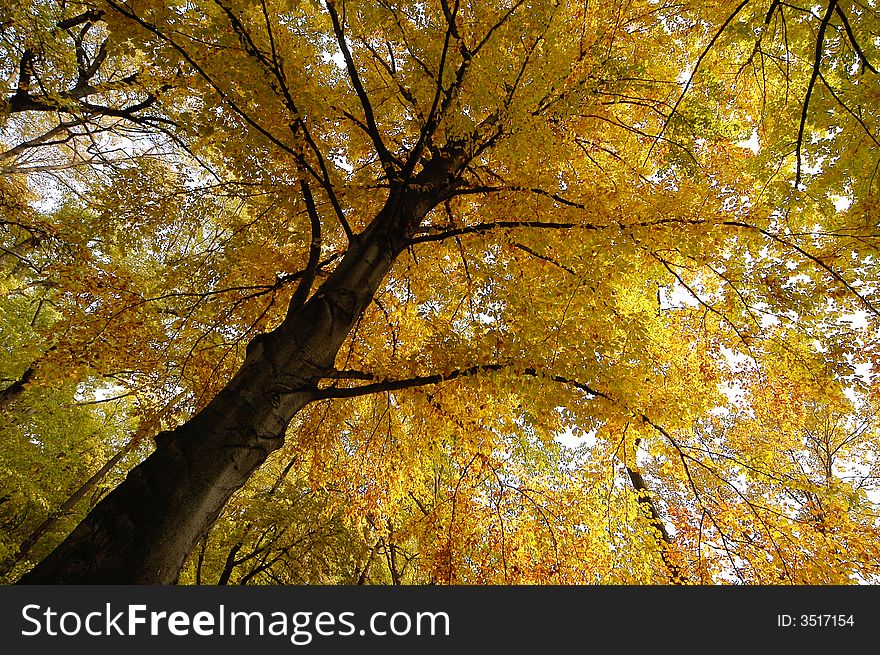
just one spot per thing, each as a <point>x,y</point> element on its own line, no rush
<point>487,227</point>
<point>15,389</point>
<point>817,63</point>
<point>311,270</point>
<point>436,378</point>
<point>90,16</point>
<point>643,493</point>
<point>854,41</point>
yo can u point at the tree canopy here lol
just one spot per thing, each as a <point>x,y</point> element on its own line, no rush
<point>440,291</point>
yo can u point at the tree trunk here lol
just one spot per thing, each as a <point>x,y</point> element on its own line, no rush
<point>53,518</point>
<point>142,532</point>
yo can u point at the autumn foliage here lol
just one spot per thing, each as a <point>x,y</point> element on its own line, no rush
<point>465,292</point>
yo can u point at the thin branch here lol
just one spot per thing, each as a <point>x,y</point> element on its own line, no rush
<point>477,189</point>
<point>834,274</point>
<point>846,108</point>
<point>385,156</point>
<point>498,25</point>
<point>545,258</point>
<point>273,67</point>
<point>204,75</point>
<point>693,74</point>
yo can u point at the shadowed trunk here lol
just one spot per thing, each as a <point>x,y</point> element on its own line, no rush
<point>65,507</point>
<point>142,532</point>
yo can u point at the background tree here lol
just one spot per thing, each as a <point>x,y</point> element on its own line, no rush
<point>367,271</point>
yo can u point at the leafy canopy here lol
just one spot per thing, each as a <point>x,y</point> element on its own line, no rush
<point>635,344</point>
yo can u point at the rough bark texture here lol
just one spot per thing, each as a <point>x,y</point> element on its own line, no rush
<point>142,532</point>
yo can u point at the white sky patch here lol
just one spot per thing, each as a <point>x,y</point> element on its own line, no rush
<point>841,203</point>
<point>102,393</point>
<point>857,319</point>
<point>343,163</point>
<point>676,296</point>
<point>734,393</point>
<point>800,278</point>
<point>752,143</point>
<point>769,320</point>
<point>737,361</point>
<point>864,371</point>
<point>336,57</point>
<point>814,167</point>
<point>51,199</point>
<point>572,441</point>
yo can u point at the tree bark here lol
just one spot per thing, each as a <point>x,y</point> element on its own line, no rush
<point>53,518</point>
<point>14,390</point>
<point>142,532</point>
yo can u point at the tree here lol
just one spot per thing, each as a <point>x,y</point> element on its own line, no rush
<point>359,267</point>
